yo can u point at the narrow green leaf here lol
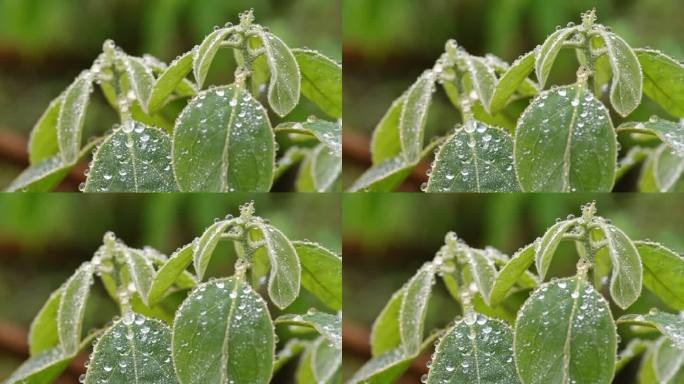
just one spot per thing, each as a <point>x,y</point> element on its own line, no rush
<point>140,79</point>
<point>169,80</point>
<point>476,350</point>
<point>135,158</point>
<point>385,142</point>
<point>170,272</point>
<point>385,334</point>
<point>483,79</point>
<point>321,80</point>
<point>482,270</point>
<point>285,85</point>
<point>565,142</point>
<point>414,308</point>
<point>41,177</point>
<point>326,361</point>
<point>668,167</point>
<point>663,273</point>
<point>326,168</point>
<point>647,181</point>
<point>305,180</point>
<point>327,325</point>
<point>670,325</point>
<point>327,132</point>
<point>383,369</point>
<point>663,80</point>
<point>477,158</point>
<point>414,116</point>
<point>43,142</point>
<point>511,81</point>
<point>546,54</point>
<point>627,84</point>
<point>72,115</point>
<point>565,333</point>
<point>321,272</point>
<point>204,246</point>
<point>72,308</point>
<point>626,280</point>
<point>647,373</point>
<point>284,280</point>
<point>305,370</point>
<point>546,246</point>
<point>511,272</point>
<point>43,333</point>
<point>203,55</point>
<point>222,332</point>
<point>41,369</point>
<point>667,359</point>
<point>223,141</point>
<point>142,273</point>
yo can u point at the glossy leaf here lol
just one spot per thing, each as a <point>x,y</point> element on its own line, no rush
<point>565,333</point>
<point>223,141</point>
<point>627,83</point>
<point>383,369</point>
<point>511,80</point>
<point>43,142</point>
<point>204,246</point>
<point>385,143</point>
<point>385,334</point>
<point>72,308</point>
<point>141,271</point>
<point>546,54</point>
<point>285,277</point>
<point>663,273</point>
<point>663,80</point>
<point>414,116</point>
<point>43,368</point>
<point>511,272</point>
<point>326,361</point>
<point>546,246</point>
<point>41,177</point>
<point>169,80</point>
<point>204,54</point>
<point>327,325</point>
<point>670,325</point>
<point>285,84</point>
<point>667,360</point>
<point>414,308</point>
<point>668,167</point>
<point>140,79</point>
<point>482,270</point>
<point>222,332</point>
<point>626,279</point>
<point>483,79</point>
<point>321,272</point>
<point>565,142</point>
<point>326,168</point>
<point>327,132</point>
<point>669,132</point>
<point>72,115</point>
<point>321,80</point>
<point>43,333</point>
<point>169,272</point>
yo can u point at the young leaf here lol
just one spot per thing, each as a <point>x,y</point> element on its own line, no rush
<point>305,371</point>
<point>284,280</point>
<point>142,273</point>
<point>204,246</point>
<point>625,282</point>
<point>43,334</point>
<point>135,350</point>
<point>203,55</point>
<point>43,141</point>
<point>414,116</point>
<point>222,332</point>
<point>482,270</point>
<point>169,80</point>
<point>483,79</point>
<point>476,350</point>
<point>72,308</point>
<point>326,168</point>
<point>385,142</point>
<point>327,325</point>
<point>511,272</point>
<point>668,167</point>
<point>285,85</point>
<point>41,369</point>
<point>321,80</point>
<point>326,361</point>
<point>477,158</point>
<point>383,369</point>
<point>627,84</point>
<point>565,142</point>
<point>669,132</point>
<point>169,272</point>
<point>546,54</point>
<point>140,79</point>
<point>72,115</point>
<point>511,80</point>
<point>414,308</point>
<point>565,333</point>
<point>671,326</point>
<point>667,359</point>
<point>135,158</point>
<point>321,272</point>
<point>327,132</point>
<point>663,273</point>
<point>546,246</point>
<point>223,141</point>
<point>385,334</point>
<point>41,177</point>
<point>663,80</point>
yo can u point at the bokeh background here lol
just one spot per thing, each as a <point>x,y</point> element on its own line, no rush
<point>45,44</point>
<point>387,237</point>
<point>45,237</point>
<point>388,44</point>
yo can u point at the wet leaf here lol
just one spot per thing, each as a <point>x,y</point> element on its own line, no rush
<point>140,79</point>
<point>414,116</point>
<point>169,80</point>
<point>326,168</point>
<point>41,369</point>
<point>285,84</point>
<point>72,115</point>
<point>626,279</point>
<point>385,143</point>
<point>482,270</point>
<point>663,273</point>
<point>546,246</point>
<point>414,308</point>
<point>321,80</point>
<point>546,54</point>
<point>670,325</point>
<point>43,142</point>
<point>170,272</point>
<point>285,278</point>
<point>511,81</point>
<point>321,272</point>
<point>483,79</point>
<point>72,308</point>
<point>627,84</point>
<point>327,132</point>
<point>327,325</point>
<point>511,272</point>
<point>41,177</point>
<point>667,170</point>
<point>383,369</point>
<point>326,361</point>
<point>663,80</point>
<point>669,132</point>
<point>667,360</point>
<point>141,271</point>
<point>204,54</point>
<point>385,335</point>
<point>43,334</point>
<point>203,249</point>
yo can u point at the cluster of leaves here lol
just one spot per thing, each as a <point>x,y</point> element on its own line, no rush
<point>221,141</point>
<point>563,140</point>
<point>174,328</point>
<point>516,328</point>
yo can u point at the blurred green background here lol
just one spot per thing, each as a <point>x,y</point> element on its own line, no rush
<point>45,44</point>
<point>388,44</point>
<point>387,237</point>
<point>44,237</point>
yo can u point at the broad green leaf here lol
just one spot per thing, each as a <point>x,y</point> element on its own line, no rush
<point>511,81</point>
<point>477,158</point>
<point>222,332</point>
<point>546,54</point>
<point>626,279</point>
<point>135,158</point>
<point>327,132</point>
<point>326,361</point>
<point>72,308</point>
<point>670,325</point>
<point>385,334</point>
<point>667,359</point>
<point>135,350</point>
<point>321,80</point>
<point>43,141</point>
<point>203,55</point>
<point>414,308</point>
<point>41,369</point>
<point>663,80</point>
<point>546,246</point>
<point>140,79</point>
<point>483,79</point>
<point>321,272</point>
<point>284,280</point>
<point>285,84</point>
<point>511,272</point>
<point>223,141</point>
<point>663,273</point>
<point>647,373</point>
<point>305,371</point>
<point>43,333</point>
<point>414,116</point>
<point>476,350</point>
<point>565,142</point>
<point>482,270</point>
<point>627,84</point>
<point>385,142</point>
<point>565,333</point>
<point>669,132</point>
<point>327,325</point>
<point>383,369</point>
<point>41,177</point>
<point>326,168</point>
<point>72,115</point>
<point>142,273</point>
<point>170,272</point>
<point>668,167</point>
<point>169,80</point>
<point>204,246</point>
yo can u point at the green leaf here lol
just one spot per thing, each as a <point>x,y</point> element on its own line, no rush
<point>223,141</point>
<point>663,80</point>
<point>326,168</point>
<point>169,80</point>
<point>414,116</point>
<point>326,361</point>
<point>321,272</point>
<point>663,273</point>
<point>385,334</point>
<point>414,308</point>
<point>142,273</point>
<point>483,79</point>
<point>135,158</point>
<point>667,359</point>
<point>41,177</point>
<point>72,308</point>
<point>668,167</point>
<point>41,369</point>
<point>327,325</point>
<point>305,181</point>
<point>546,54</point>
<point>285,278</point>
<point>43,141</point>
<point>482,270</point>
<point>135,350</point>
<point>634,348</point>
<point>222,332</point>
<point>205,245</point>
<point>285,85</point>
<point>321,80</point>
<point>565,333</point>
<point>170,272</point>
<point>565,142</point>
<point>72,115</point>
<point>627,84</point>
<point>511,272</point>
<point>204,54</point>
<point>385,142</point>
<point>477,158</point>
<point>292,349</point>
<point>546,246</point>
<point>670,325</point>
<point>626,279</point>
<point>511,81</point>
<point>140,79</point>
<point>667,131</point>
<point>476,350</point>
<point>647,181</point>
<point>43,333</point>
<point>305,371</point>
<point>327,132</point>
<point>383,369</point>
